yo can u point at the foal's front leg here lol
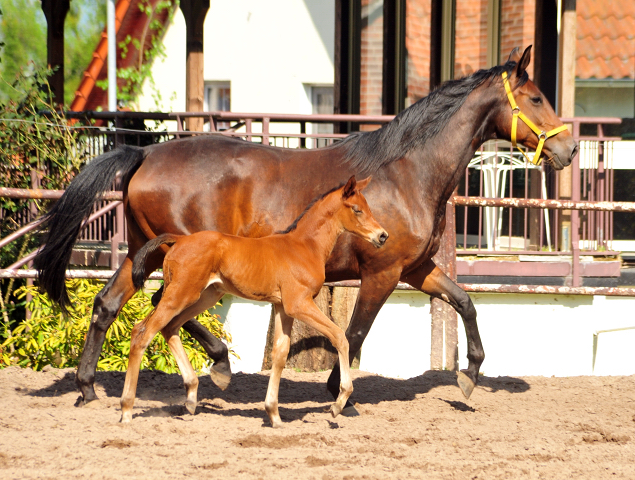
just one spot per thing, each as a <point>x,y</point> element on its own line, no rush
<point>281,343</point>
<point>308,312</point>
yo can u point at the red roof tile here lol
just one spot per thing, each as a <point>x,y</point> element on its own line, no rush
<point>605,46</point>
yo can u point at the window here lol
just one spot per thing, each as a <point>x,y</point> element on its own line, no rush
<point>322,104</point>
<point>218,99</point>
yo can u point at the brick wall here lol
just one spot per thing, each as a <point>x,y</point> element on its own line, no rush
<point>418,48</point>
<point>371,57</point>
<point>517,28</point>
<point>471,37</point>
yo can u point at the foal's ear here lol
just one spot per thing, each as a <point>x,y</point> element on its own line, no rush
<point>362,184</point>
<point>523,63</point>
<point>349,188</point>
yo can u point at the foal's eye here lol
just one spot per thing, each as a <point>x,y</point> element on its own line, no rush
<point>356,210</point>
<point>536,100</point>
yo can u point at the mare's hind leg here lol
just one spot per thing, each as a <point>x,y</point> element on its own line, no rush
<point>307,311</point>
<point>430,279</point>
<point>106,306</point>
<point>220,371</point>
<point>281,343</point>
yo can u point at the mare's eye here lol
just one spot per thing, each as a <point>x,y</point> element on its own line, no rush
<point>536,100</point>
<point>356,210</point>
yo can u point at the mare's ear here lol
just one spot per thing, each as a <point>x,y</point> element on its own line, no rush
<point>349,188</point>
<point>362,184</point>
<point>523,63</point>
<point>514,56</point>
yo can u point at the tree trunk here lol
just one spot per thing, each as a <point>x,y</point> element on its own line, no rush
<point>311,351</point>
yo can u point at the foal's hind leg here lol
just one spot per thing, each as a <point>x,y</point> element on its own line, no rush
<point>430,279</point>
<point>176,302</point>
<point>220,371</point>
<point>307,311</point>
<point>281,343</point>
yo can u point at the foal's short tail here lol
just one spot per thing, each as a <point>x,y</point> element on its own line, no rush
<point>139,263</point>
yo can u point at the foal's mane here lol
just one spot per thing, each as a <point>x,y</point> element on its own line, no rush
<point>414,126</point>
<point>294,225</point>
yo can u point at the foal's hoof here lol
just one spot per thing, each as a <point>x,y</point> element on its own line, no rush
<point>220,379</point>
<point>335,410</point>
<point>190,407</point>
<point>465,384</point>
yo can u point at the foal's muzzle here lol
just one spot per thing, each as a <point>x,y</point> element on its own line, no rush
<point>380,240</point>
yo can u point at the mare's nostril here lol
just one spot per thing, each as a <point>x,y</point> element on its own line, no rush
<point>383,237</point>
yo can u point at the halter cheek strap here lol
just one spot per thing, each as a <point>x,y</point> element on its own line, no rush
<point>516,114</point>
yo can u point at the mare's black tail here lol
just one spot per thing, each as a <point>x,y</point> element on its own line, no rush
<point>139,263</point>
<point>65,219</point>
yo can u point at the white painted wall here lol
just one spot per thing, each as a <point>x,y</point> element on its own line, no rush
<point>522,335</point>
<point>268,51</point>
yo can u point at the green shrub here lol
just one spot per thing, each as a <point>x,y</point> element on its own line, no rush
<point>50,338</point>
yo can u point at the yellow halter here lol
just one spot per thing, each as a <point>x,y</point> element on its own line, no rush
<point>542,135</point>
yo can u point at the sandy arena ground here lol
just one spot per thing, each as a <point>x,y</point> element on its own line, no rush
<point>533,427</point>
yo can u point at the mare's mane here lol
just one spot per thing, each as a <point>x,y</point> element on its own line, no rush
<point>414,126</point>
<point>294,225</point>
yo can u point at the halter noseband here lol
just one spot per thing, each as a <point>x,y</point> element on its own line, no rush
<point>516,114</point>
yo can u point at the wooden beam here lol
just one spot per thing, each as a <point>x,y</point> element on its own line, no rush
<point>346,95</point>
<point>55,12</point>
<point>194,12</point>
<point>394,57</point>
<point>566,107</point>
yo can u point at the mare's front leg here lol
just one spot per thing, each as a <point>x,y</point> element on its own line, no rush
<point>106,306</point>
<point>220,371</point>
<point>431,280</point>
<point>305,310</point>
<point>374,291</point>
<point>281,343</point>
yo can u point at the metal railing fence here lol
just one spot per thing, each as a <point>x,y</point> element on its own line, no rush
<point>505,205</point>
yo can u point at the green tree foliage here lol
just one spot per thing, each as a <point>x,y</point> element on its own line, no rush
<point>50,338</point>
<point>38,148</point>
<point>23,32</point>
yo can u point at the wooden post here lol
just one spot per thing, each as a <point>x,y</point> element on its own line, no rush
<point>566,106</point>
<point>55,12</point>
<point>194,12</point>
<point>444,334</point>
<point>394,58</point>
<point>346,86</point>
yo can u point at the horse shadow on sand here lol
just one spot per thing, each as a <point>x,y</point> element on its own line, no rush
<point>252,388</point>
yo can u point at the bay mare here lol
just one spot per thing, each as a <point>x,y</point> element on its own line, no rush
<point>286,269</point>
<point>242,188</point>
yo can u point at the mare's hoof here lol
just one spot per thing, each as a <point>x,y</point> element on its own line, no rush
<point>220,379</point>
<point>350,411</point>
<point>81,402</point>
<point>335,410</point>
<point>465,384</point>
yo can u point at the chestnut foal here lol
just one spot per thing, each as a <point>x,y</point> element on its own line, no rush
<point>286,269</point>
